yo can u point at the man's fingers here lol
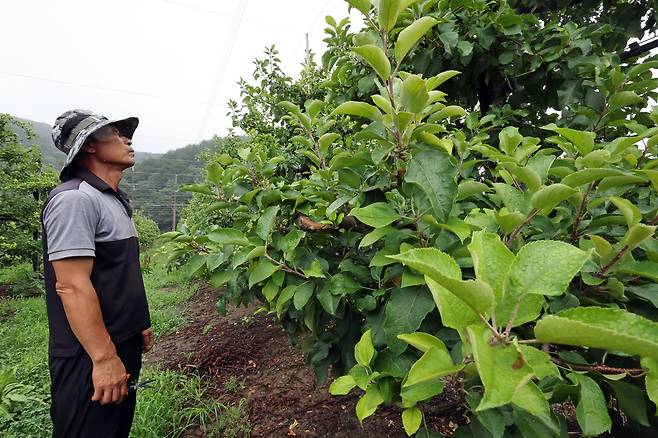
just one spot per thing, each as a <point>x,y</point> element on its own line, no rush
<point>107,397</point>
<point>117,395</point>
<point>98,395</point>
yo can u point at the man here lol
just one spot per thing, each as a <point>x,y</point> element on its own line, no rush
<point>97,310</point>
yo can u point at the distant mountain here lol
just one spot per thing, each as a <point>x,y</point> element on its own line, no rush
<point>152,183</point>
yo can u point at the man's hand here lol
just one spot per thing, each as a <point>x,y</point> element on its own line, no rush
<point>147,340</point>
<point>110,381</point>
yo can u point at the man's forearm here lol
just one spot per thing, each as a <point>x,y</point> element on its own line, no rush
<point>84,314</point>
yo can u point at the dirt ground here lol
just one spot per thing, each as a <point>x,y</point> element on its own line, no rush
<point>282,395</point>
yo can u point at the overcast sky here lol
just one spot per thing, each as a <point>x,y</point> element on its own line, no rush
<point>172,63</point>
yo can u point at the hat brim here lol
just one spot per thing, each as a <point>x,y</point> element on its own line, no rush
<point>125,126</point>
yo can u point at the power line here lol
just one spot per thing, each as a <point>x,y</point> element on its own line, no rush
<point>97,87</point>
<point>222,67</point>
<point>247,20</point>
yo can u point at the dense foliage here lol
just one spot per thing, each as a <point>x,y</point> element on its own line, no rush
<point>147,229</point>
<point>24,185</point>
<point>492,230</point>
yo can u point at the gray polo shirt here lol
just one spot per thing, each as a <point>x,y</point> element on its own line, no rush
<point>85,217</point>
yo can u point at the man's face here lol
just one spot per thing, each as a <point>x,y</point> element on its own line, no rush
<point>112,148</point>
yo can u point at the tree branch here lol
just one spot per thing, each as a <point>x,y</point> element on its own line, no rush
<point>612,262</point>
<point>518,229</point>
<point>579,214</point>
<point>284,267</point>
<point>603,369</point>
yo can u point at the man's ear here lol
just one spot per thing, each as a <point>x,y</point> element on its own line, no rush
<point>88,148</point>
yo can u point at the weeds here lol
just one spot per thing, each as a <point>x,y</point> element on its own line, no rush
<point>173,404</point>
<point>233,384</point>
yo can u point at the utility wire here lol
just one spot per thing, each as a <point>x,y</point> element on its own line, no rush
<point>246,20</point>
<point>222,67</point>
<point>114,90</point>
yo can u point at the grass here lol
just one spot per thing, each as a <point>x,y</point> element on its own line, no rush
<point>172,404</point>
<point>175,403</point>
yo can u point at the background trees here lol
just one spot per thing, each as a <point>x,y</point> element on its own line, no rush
<point>23,187</point>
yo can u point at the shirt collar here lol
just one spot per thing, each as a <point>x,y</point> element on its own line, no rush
<point>93,180</point>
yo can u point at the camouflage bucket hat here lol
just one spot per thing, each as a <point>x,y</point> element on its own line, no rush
<point>72,128</point>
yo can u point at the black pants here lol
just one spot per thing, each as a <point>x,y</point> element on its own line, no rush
<point>73,413</point>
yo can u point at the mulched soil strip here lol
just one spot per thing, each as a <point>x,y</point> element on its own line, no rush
<point>282,395</point>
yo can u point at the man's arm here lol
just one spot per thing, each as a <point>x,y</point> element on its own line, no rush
<point>83,312</point>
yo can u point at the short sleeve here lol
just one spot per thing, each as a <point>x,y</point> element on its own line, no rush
<point>70,220</point>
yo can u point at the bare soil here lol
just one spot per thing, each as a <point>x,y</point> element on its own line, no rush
<point>253,354</point>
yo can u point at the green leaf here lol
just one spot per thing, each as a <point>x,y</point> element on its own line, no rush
<point>591,411</point>
<point>491,259</point>
<point>376,215</point>
<point>539,361</point>
<point>423,341</point>
<point>530,398</point>
<point>270,290</point>
<point>651,380</point>
<point>448,111</point>
<point>598,327</point>
<point>364,351</point>
<point>328,301</point>
<point>367,405</point>
<point>435,175</point>
<point>197,188</point>
<point>501,367</point>
<point>266,222</point>
<point>514,200</point>
<point>303,293</point>
<point>637,234</point>
<point>413,94</point>
<point>228,236</point>
<point>315,270</point>
<point>544,267</point>
<point>509,139</point>
<point>214,173</point>
<point>416,393</point>
<point>362,5</point>
<point>631,213</point>
<point>433,364</point>
<point>290,241</point>
<point>624,98</point>
<point>342,385</point>
<point>360,109</point>
<point>405,310</point>
<point>466,189</point>
<point>375,235</point>
<point>326,140</point>
<point>389,10</point>
<point>410,35</point>
<point>642,268</point>
<point>262,270</point>
<point>587,176</point>
<point>286,295</point>
<point>454,312</point>
<point>475,293</point>
<point>195,263</point>
<point>582,140</point>
<point>526,175</point>
<point>411,419</point>
<point>377,59</point>
<point>631,400</point>
<point>220,278</point>
<point>435,81</point>
<point>547,198</point>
